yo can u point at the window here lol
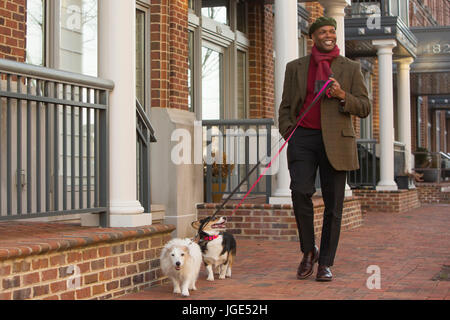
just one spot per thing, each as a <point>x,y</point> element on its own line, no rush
<point>242,112</point>
<point>78,36</point>
<point>404,11</point>
<point>212,83</point>
<point>419,121</point>
<point>302,46</point>
<point>394,7</point>
<point>438,131</point>
<point>217,10</point>
<point>429,126</point>
<point>400,8</point>
<point>366,124</point>
<point>191,72</point>
<point>218,59</point>
<point>140,56</point>
<point>241,16</point>
<point>35,41</point>
<point>191,4</point>
<point>62,34</point>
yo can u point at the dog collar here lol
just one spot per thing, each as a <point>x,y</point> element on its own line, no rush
<point>210,238</point>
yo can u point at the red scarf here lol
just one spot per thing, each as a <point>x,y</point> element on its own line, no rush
<point>323,62</point>
<point>319,69</point>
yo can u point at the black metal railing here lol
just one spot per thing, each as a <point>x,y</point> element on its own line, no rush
<point>367,174</point>
<point>145,136</point>
<point>231,149</point>
<point>54,142</point>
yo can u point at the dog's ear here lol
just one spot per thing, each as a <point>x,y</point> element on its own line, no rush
<point>195,225</point>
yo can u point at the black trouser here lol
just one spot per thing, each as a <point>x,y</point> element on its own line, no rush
<point>305,153</point>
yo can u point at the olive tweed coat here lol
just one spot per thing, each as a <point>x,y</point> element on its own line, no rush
<point>337,129</point>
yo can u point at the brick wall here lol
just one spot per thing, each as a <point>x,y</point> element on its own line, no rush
<point>160,57</point>
<point>413,123</point>
<point>12,29</point>
<point>277,222</point>
<point>169,54</point>
<point>426,13</point>
<point>432,193</point>
<point>179,51</point>
<point>429,12</point>
<point>316,10</point>
<point>261,64</point>
<point>268,64</point>
<point>103,270</point>
<point>388,201</point>
<point>376,102</point>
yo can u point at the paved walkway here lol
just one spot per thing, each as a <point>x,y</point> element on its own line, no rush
<point>410,248</point>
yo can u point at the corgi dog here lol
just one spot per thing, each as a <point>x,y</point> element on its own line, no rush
<point>181,260</point>
<point>218,246</point>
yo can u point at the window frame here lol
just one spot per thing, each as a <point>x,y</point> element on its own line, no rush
<point>419,120</point>
<point>44,35</point>
<point>52,34</point>
<point>145,7</point>
<point>231,40</point>
<point>367,123</point>
<point>225,76</point>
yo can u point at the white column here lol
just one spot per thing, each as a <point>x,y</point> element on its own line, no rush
<point>335,9</point>
<point>286,49</point>
<point>404,108</point>
<point>386,96</point>
<point>117,62</point>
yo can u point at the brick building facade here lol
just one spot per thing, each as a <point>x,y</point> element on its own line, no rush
<point>177,36</point>
<point>170,47</point>
<point>431,14</point>
<point>13,30</point>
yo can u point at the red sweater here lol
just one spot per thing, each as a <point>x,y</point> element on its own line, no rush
<point>312,119</point>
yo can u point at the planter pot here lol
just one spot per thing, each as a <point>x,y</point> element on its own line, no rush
<point>402,182</point>
<point>430,175</point>
<point>217,197</point>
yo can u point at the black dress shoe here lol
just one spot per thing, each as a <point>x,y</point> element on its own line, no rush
<point>305,269</point>
<point>324,273</point>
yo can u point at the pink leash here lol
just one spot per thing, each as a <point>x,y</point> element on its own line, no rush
<point>324,88</point>
<point>301,117</point>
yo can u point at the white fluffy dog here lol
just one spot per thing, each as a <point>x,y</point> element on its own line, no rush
<point>180,261</point>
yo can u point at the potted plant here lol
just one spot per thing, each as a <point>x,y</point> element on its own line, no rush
<point>219,175</point>
<point>424,160</point>
<point>406,180</point>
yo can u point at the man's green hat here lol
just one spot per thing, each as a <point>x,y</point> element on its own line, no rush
<point>320,22</point>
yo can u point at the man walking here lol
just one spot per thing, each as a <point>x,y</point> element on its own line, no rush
<point>325,139</point>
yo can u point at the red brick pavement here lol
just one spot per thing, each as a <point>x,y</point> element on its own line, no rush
<point>410,248</point>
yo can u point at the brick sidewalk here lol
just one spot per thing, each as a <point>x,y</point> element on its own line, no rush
<point>410,248</point>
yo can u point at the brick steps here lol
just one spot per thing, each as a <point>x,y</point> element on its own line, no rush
<point>276,221</point>
<point>434,193</point>
<point>388,201</point>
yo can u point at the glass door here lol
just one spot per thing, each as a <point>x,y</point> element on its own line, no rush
<point>212,82</point>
